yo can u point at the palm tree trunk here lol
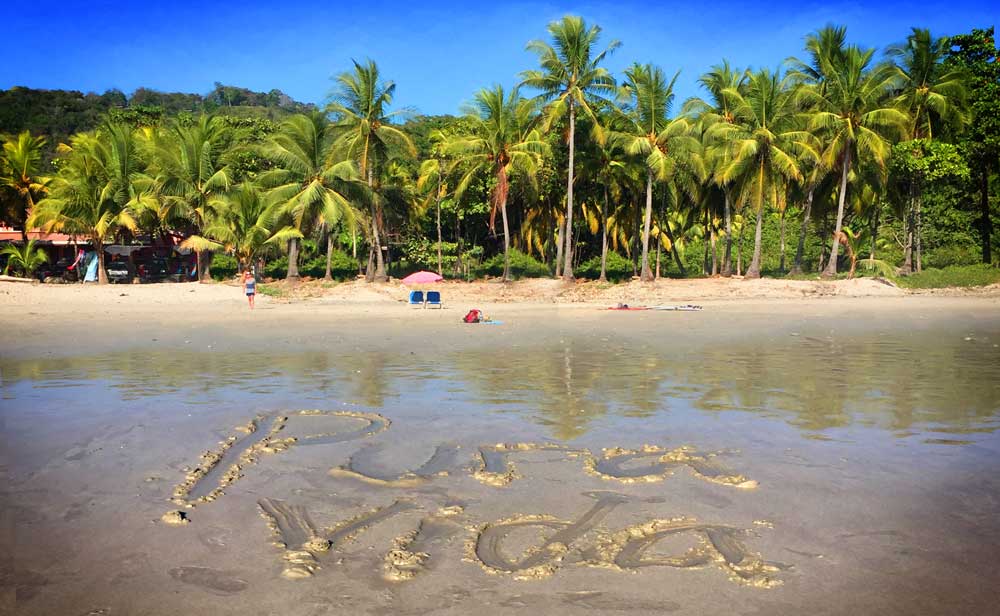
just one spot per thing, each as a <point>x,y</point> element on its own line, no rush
<point>506,242</point>
<point>909,226</point>
<point>739,251</point>
<point>379,274</point>
<point>874,232</point>
<point>797,268</point>
<point>293,260</point>
<point>206,269</point>
<point>200,267</point>
<point>604,237</point>
<point>706,246</point>
<point>831,265</point>
<point>727,255</point>
<point>102,274</point>
<point>646,274</point>
<point>567,273</point>
<point>781,267</point>
<point>917,230</point>
<point>673,250</point>
<point>657,276</point>
<point>329,252</point>
<point>715,253</point>
<point>754,270</point>
<point>458,243</point>
<point>440,260</point>
<point>985,224</point>
<point>559,248</point>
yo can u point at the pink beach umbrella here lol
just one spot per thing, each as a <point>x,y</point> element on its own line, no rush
<point>422,277</point>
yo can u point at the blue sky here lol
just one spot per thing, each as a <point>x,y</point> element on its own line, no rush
<point>437,53</point>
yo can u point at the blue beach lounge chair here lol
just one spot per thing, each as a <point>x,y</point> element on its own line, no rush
<point>417,298</point>
<point>434,299</point>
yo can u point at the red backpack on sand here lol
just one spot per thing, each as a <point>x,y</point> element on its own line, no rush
<point>473,316</point>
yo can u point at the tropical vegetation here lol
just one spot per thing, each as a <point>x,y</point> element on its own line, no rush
<point>888,156</point>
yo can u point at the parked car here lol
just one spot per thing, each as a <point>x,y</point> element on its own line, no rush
<point>59,269</point>
<point>154,270</point>
<point>118,272</point>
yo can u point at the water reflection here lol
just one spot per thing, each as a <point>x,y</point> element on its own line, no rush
<point>890,382</point>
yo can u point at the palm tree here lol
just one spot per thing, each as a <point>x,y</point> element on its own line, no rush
<point>25,258</point>
<point>190,173</point>
<point>360,102</point>
<point>720,78</point>
<point>850,107</point>
<point>20,164</point>
<point>99,189</point>
<point>763,142</point>
<point>660,142</point>
<point>243,224</point>
<point>431,182</point>
<point>570,77</point>
<point>934,97</point>
<point>502,143</point>
<point>307,181</point>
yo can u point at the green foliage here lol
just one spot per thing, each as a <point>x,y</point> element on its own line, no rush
<point>224,267</point>
<point>618,267</point>
<point>977,275</point>
<point>926,161</point>
<point>342,266</point>
<point>23,259</point>
<point>521,266</point>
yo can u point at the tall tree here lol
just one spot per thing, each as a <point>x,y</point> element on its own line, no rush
<point>571,78</point>
<point>764,140</point>
<point>100,187</point>
<point>659,141</point>
<point>307,180</point>
<point>976,54</point>
<point>190,173</point>
<point>502,143</point>
<point>20,168</point>
<point>720,78</point>
<point>851,107</point>
<point>360,105</point>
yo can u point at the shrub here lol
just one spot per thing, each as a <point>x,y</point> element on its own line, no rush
<point>342,266</point>
<point>521,266</point>
<point>223,266</point>
<point>618,268</point>
<point>954,276</point>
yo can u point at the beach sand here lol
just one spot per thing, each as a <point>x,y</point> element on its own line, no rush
<point>824,448</point>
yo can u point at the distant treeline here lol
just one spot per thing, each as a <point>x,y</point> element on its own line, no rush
<point>59,114</point>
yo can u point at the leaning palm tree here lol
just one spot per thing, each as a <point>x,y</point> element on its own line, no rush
<point>99,189</point>
<point>720,78</point>
<point>570,77</point>
<point>502,143</point>
<point>309,184</point>
<point>852,111</point>
<point>190,173</point>
<point>763,140</point>
<point>364,132</point>
<point>25,258</point>
<point>20,166</point>
<point>660,142</point>
<point>244,223</point>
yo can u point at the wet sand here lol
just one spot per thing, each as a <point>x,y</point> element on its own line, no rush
<point>824,456</point>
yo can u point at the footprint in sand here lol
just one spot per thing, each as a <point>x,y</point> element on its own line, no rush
<point>212,580</point>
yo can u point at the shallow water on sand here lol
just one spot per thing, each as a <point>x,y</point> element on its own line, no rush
<point>801,472</point>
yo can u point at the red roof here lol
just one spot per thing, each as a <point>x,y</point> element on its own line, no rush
<point>10,234</point>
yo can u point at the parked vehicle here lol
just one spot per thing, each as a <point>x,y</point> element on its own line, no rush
<point>155,270</point>
<point>118,272</point>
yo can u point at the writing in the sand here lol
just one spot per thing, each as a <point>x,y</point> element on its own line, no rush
<point>583,541</point>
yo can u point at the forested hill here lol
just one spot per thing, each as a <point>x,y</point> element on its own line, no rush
<point>58,114</point>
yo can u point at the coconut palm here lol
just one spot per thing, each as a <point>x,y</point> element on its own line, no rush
<point>720,78</point>
<point>660,142</point>
<point>933,95</point>
<point>850,108</point>
<point>606,164</point>
<point>570,78</point>
<point>431,182</point>
<point>502,143</point>
<point>187,160</point>
<point>20,166</point>
<point>360,105</point>
<point>100,187</point>
<point>311,186</point>
<point>25,258</point>
<point>244,222</point>
<point>763,140</point>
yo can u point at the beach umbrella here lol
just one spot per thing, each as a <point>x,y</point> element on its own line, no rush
<point>422,277</point>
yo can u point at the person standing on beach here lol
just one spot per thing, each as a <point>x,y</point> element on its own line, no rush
<point>249,286</point>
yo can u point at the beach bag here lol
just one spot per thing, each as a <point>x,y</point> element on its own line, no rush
<point>473,316</point>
